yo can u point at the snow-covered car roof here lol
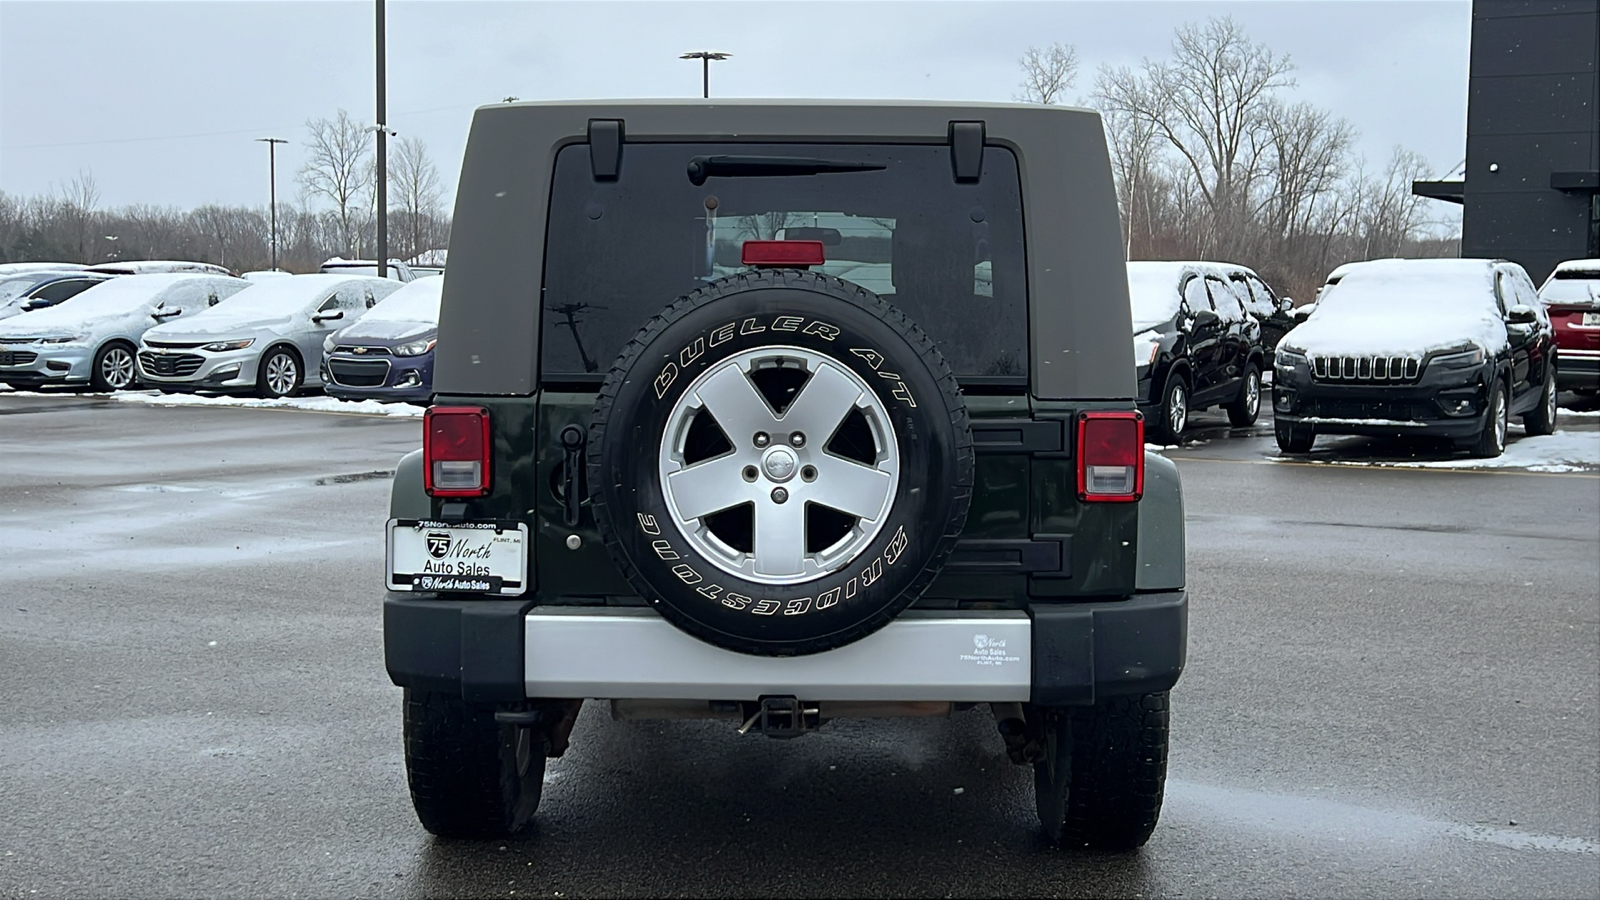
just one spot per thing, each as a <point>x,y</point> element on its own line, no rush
<point>1585,267</point>
<point>154,266</point>
<point>1405,306</point>
<point>112,297</point>
<point>281,296</point>
<point>1153,286</point>
<point>416,302</point>
<point>24,267</point>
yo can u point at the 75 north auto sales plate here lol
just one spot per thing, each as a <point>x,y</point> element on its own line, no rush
<point>470,557</point>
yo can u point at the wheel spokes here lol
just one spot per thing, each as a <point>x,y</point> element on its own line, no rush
<point>850,487</point>
<point>780,538</point>
<point>710,486</point>
<point>826,398</point>
<point>735,403</point>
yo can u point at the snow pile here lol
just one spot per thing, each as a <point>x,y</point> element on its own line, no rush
<point>1564,451</point>
<point>309,404</point>
<point>1404,307</point>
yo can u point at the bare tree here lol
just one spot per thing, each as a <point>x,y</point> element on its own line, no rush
<point>414,182</point>
<point>1211,102</point>
<point>1047,73</point>
<point>339,169</point>
<point>79,199</point>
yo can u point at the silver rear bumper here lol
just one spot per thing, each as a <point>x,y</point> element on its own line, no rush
<point>606,654</point>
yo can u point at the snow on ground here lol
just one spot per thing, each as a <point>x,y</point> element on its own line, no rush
<point>309,404</point>
<point>1564,451</point>
<point>1576,412</point>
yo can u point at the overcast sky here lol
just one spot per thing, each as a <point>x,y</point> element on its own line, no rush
<point>160,101</point>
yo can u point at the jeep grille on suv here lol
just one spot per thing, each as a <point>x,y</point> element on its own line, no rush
<point>1380,369</point>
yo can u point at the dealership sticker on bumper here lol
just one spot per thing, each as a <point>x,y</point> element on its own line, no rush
<point>458,557</point>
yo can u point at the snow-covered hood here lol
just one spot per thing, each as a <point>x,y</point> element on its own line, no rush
<point>65,319</point>
<point>1327,332</point>
<point>214,325</point>
<point>386,330</point>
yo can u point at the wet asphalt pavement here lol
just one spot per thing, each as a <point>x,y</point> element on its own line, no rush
<point>1393,689</point>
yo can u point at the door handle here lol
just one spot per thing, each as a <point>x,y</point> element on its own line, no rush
<point>572,440</point>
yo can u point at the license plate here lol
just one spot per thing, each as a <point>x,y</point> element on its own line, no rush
<point>1592,319</point>
<point>458,557</point>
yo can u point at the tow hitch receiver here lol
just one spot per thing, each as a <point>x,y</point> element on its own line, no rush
<point>782,717</point>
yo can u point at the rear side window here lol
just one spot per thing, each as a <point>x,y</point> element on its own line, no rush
<point>61,290</point>
<point>949,255</point>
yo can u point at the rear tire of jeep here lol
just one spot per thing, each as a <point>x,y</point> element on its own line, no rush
<point>470,776</point>
<point>780,462</point>
<point>1242,412</point>
<point>1104,771</point>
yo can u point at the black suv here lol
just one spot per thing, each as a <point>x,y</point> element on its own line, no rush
<point>759,411</point>
<point>1197,344</point>
<point>1448,348</point>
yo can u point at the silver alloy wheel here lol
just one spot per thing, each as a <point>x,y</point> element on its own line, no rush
<point>1178,412</point>
<point>780,464</point>
<point>116,368</point>
<point>282,373</point>
<point>1252,393</point>
<point>1550,399</point>
<point>1500,420</point>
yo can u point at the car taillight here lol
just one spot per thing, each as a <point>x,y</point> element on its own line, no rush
<point>455,451</point>
<point>1110,457</point>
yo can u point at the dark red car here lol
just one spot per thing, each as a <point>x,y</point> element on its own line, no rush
<point>1572,293</point>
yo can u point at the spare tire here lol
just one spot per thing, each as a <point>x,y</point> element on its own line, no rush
<point>780,462</point>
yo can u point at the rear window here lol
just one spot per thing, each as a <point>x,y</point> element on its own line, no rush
<point>1573,288</point>
<point>949,255</point>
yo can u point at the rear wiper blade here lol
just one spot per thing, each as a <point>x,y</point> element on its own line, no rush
<point>703,167</point>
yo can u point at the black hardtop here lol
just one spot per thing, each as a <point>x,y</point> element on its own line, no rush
<point>1079,322</point>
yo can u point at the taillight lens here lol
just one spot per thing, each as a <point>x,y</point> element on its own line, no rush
<point>455,451</point>
<point>1110,457</point>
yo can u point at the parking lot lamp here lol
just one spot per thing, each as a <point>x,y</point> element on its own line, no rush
<point>705,57</point>
<point>272,190</point>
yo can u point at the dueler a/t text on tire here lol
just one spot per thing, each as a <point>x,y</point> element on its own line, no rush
<point>780,462</point>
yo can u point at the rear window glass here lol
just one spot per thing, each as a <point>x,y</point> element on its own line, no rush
<point>949,255</point>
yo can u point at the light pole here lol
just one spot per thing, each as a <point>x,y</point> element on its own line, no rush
<point>383,158</point>
<point>272,190</point>
<point>705,57</point>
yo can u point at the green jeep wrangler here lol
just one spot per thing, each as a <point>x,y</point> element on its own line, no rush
<point>780,412</point>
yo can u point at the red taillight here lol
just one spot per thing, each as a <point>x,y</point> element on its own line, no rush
<point>455,451</point>
<point>1110,457</point>
<point>788,254</point>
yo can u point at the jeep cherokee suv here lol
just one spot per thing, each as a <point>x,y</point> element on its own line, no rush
<point>780,412</point>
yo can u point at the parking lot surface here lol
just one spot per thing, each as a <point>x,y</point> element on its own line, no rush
<point>1392,689</point>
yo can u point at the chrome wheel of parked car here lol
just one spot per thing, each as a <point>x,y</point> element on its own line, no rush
<point>1243,411</point>
<point>280,374</point>
<point>1174,411</point>
<point>113,369</point>
<point>1542,418</point>
<point>1491,441</point>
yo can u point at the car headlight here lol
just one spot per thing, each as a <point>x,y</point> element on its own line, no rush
<point>1289,357</point>
<point>328,343</point>
<point>1146,347</point>
<point>1466,360</point>
<point>414,348</point>
<point>221,346</point>
<point>70,339</point>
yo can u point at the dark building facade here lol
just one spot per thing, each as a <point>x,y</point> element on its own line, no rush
<point>1533,134</point>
